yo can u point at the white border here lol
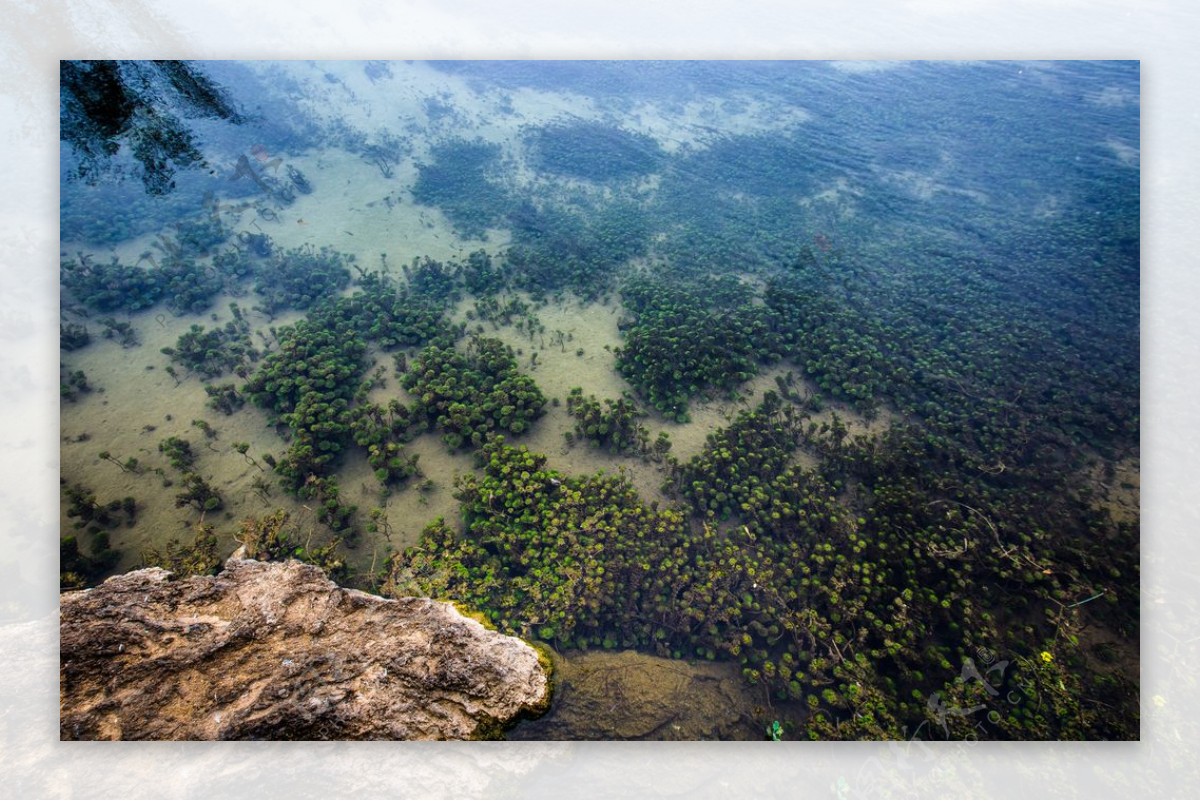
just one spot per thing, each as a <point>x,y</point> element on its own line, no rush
<point>36,34</point>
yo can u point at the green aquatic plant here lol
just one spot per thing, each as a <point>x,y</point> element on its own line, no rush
<point>530,557</point>
<point>691,335</point>
<point>433,280</point>
<point>187,287</point>
<point>555,249</point>
<point>205,428</point>
<point>390,314</point>
<point>72,336</point>
<point>215,352</point>
<point>243,448</point>
<point>299,180</point>
<point>235,265</point>
<point>200,557</point>
<point>312,382</point>
<point>474,394</point>
<point>125,466</point>
<point>382,431</point>
<point>339,517</point>
<point>83,566</point>
<point>459,180</point>
<point>502,310</point>
<point>272,539</point>
<point>78,569</point>
<point>82,505</point>
<point>178,452</point>
<point>613,426</point>
<point>730,476</point>
<point>258,245</point>
<point>301,277</point>
<point>483,276</point>
<point>73,383</point>
<point>812,588</point>
<point>122,332</point>
<point>306,383</point>
<point>224,398</point>
<point>592,150</point>
<point>178,279</point>
<point>383,150</point>
<point>110,287</point>
<point>198,235</point>
<point>198,493</point>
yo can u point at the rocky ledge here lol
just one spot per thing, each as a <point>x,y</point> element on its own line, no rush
<point>277,651</point>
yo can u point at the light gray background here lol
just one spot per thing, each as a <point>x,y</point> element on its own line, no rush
<point>35,34</point>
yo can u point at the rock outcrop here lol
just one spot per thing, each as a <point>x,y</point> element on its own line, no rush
<point>277,651</point>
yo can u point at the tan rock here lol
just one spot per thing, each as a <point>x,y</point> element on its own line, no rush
<point>277,651</point>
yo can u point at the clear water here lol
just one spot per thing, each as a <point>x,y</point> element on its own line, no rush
<point>1017,181</point>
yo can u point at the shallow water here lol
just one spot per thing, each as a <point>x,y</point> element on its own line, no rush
<point>888,179</point>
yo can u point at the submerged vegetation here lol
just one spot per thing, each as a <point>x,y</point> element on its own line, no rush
<point>310,382</point>
<point>216,352</point>
<point>593,150</point>
<point>691,336</point>
<point>109,287</point>
<point>856,589</point>
<point>471,395</point>
<point>459,180</point>
<point>614,426</point>
<point>301,277</point>
<point>555,250</point>
<point>915,524</point>
<point>80,566</point>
